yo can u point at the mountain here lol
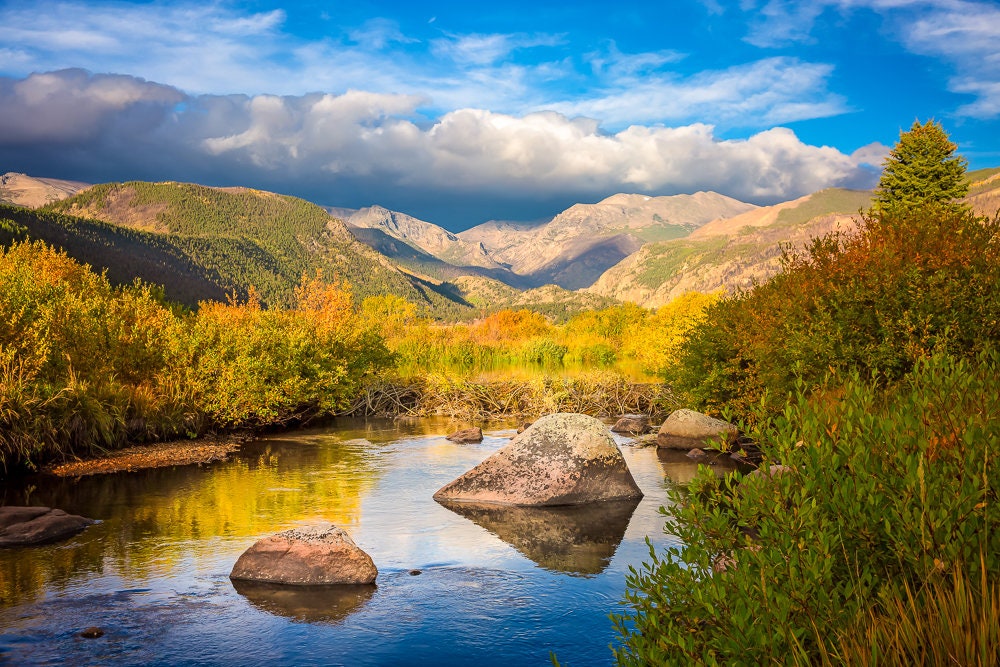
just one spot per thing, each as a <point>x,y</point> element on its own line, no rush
<point>206,243</point>
<point>984,191</point>
<point>552,301</point>
<point>729,253</point>
<point>32,192</point>
<point>423,247</point>
<point>578,245</point>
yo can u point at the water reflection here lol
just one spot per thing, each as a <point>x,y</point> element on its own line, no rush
<point>156,521</point>
<point>576,539</point>
<point>680,469</point>
<point>310,604</point>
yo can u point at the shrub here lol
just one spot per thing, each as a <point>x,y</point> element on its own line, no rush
<point>908,283</point>
<point>882,490</point>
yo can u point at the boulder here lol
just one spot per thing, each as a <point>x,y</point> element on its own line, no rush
<point>467,435</point>
<point>306,557</point>
<point>562,459</point>
<point>22,526</point>
<point>687,429</point>
<point>631,425</point>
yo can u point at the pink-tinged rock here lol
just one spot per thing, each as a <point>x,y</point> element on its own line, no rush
<point>467,435</point>
<point>687,429</point>
<point>24,526</point>
<point>306,557</point>
<point>562,459</point>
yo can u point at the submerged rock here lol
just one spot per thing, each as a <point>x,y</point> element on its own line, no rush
<point>562,459</point>
<point>631,425</point>
<point>687,429</point>
<point>467,435</point>
<point>23,526</point>
<point>306,557</point>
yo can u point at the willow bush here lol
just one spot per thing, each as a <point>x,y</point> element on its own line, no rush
<point>882,491</point>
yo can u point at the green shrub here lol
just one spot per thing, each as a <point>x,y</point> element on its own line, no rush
<point>883,490</point>
<point>908,283</point>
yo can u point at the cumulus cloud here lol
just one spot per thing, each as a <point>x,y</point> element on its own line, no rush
<point>362,143</point>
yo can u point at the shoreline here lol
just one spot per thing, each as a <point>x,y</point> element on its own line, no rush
<point>206,449</point>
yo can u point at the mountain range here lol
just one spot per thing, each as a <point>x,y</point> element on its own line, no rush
<point>206,243</point>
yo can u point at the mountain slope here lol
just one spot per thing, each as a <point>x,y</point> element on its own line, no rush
<point>732,253</point>
<point>235,237</point>
<point>32,192</point>
<point>579,244</point>
<point>426,236</point>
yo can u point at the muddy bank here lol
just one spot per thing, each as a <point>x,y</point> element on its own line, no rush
<point>208,449</point>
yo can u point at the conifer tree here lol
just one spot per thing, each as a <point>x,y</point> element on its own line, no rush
<point>922,169</point>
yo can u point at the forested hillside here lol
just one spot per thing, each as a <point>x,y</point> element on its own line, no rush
<point>204,243</point>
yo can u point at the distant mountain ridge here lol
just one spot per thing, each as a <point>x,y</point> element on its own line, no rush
<point>579,244</point>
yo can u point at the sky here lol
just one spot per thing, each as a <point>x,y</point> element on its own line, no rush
<point>459,112</point>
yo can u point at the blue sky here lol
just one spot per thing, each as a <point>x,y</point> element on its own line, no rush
<point>459,113</point>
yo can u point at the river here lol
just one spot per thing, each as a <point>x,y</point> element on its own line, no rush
<point>493,588</point>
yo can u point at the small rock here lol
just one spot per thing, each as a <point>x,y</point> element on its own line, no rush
<point>306,557</point>
<point>414,573</point>
<point>631,425</point>
<point>467,435</point>
<point>24,526</point>
<point>92,633</point>
<point>524,426</point>
<point>687,429</point>
<point>696,454</point>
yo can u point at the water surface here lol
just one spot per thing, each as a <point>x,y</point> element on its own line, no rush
<point>494,588</point>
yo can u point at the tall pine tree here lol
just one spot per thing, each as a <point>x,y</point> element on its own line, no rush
<point>922,169</point>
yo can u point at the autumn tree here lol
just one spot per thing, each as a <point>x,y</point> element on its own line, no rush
<point>922,169</point>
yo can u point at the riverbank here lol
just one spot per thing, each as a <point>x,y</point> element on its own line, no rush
<point>207,449</point>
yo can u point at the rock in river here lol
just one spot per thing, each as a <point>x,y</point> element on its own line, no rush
<point>306,557</point>
<point>631,425</point>
<point>467,435</point>
<point>22,526</point>
<point>562,459</point>
<point>687,429</point>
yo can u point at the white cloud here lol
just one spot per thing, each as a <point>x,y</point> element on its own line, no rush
<point>216,48</point>
<point>369,138</point>
<point>766,92</point>
<point>964,33</point>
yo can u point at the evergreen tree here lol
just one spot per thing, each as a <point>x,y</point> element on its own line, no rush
<point>922,169</point>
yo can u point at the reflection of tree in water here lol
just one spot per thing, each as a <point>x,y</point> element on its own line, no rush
<point>153,520</point>
<point>312,604</point>
<point>575,539</point>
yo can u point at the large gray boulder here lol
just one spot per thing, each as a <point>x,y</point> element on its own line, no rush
<point>23,526</point>
<point>306,557</point>
<point>562,459</point>
<point>687,429</point>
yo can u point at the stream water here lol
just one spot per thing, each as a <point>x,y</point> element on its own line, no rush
<point>501,587</point>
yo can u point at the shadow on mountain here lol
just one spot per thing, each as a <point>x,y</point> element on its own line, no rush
<point>311,604</point>
<point>418,260</point>
<point>583,262</point>
<point>575,539</point>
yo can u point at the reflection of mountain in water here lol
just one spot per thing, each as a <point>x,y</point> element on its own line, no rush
<point>679,469</point>
<point>576,539</point>
<point>312,604</point>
